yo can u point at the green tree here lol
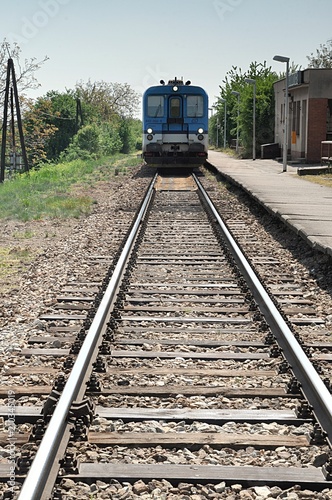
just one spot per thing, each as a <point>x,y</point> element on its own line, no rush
<point>126,136</point>
<point>58,110</point>
<point>213,130</point>
<point>106,100</point>
<point>235,81</point>
<point>37,131</point>
<point>101,107</point>
<point>323,57</point>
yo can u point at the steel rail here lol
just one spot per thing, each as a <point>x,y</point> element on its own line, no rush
<point>36,480</point>
<point>313,387</point>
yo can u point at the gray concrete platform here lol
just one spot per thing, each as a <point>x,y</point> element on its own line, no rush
<point>304,206</point>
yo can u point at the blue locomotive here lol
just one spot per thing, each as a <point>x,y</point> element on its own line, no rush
<point>175,124</point>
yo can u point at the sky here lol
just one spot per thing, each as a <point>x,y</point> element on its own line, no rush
<point>140,42</point>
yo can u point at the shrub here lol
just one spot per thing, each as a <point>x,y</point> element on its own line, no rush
<point>87,138</point>
<point>110,140</point>
<point>84,146</point>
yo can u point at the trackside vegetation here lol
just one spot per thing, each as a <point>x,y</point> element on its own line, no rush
<point>94,119</point>
<point>60,190</point>
<point>239,113</point>
<point>239,106</point>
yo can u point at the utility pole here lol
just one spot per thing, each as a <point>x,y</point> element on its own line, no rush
<point>4,126</point>
<point>79,116</point>
<point>11,73</point>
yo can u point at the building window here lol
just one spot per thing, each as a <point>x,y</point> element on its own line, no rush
<point>155,106</point>
<point>195,106</point>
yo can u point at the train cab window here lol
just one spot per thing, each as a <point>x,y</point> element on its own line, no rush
<point>155,106</point>
<point>175,107</point>
<point>195,106</point>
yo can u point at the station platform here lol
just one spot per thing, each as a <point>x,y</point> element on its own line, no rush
<point>304,206</point>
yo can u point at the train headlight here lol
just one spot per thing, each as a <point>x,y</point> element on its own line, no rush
<point>200,137</point>
<point>200,130</point>
<point>175,88</point>
<point>149,137</point>
<point>149,131</point>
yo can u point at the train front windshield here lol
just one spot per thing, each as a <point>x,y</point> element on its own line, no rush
<point>194,106</point>
<point>155,106</point>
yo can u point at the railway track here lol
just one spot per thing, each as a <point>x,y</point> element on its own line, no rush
<point>183,372</point>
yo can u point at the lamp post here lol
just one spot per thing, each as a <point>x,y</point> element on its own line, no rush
<point>237,94</point>
<point>253,83</point>
<point>225,119</point>
<point>284,59</point>
<point>211,115</point>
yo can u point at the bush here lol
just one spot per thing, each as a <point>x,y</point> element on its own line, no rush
<point>87,138</point>
<point>84,146</point>
<point>126,135</point>
<point>110,140</point>
<point>91,142</point>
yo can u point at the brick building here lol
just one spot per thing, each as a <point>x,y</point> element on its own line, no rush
<point>310,113</point>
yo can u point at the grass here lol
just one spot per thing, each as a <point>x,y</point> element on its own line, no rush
<point>322,179</point>
<point>228,151</point>
<point>11,261</point>
<point>55,191</point>
<point>24,235</point>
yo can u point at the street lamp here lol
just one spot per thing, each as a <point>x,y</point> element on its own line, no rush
<point>284,59</point>
<point>234,92</point>
<point>253,83</point>
<point>225,119</point>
